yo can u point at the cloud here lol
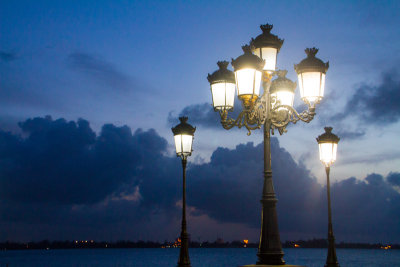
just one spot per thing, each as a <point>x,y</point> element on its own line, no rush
<point>203,115</point>
<point>375,104</point>
<point>372,158</point>
<point>228,189</point>
<point>351,135</point>
<point>394,178</point>
<point>61,180</point>
<point>354,201</point>
<point>99,70</point>
<point>7,56</point>
<point>60,173</point>
<point>65,162</point>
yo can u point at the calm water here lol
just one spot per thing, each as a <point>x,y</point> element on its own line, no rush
<point>205,257</point>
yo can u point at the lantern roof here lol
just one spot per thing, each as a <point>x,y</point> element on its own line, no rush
<point>328,137</point>
<point>222,74</point>
<point>282,83</point>
<point>311,63</point>
<point>248,60</point>
<point>183,127</point>
<point>266,39</point>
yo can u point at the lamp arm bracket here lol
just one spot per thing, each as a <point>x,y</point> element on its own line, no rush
<point>243,119</point>
<point>282,115</point>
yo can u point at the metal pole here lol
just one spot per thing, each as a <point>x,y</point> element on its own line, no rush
<point>331,260</point>
<point>184,260</point>
<point>270,247</point>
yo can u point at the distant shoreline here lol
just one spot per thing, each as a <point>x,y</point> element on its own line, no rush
<point>87,244</point>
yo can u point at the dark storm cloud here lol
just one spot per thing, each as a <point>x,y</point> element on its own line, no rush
<point>229,188</point>
<point>394,178</point>
<point>375,104</point>
<point>7,56</point>
<point>65,162</point>
<point>362,208</point>
<point>60,176</point>
<point>99,70</point>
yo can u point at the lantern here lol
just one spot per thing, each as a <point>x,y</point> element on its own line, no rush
<point>328,146</point>
<point>222,83</point>
<point>183,136</point>
<point>247,68</point>
<point>311,75</point>
<point>267,46</point>
<point>282,89</point>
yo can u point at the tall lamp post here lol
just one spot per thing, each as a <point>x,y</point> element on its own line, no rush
<point>272,109</point>
<point>183,137</point>
<point>327,143</point>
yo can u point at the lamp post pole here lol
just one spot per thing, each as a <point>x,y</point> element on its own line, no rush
<point>184,260</point>
<point>331,260</point>
<point>270,247</point>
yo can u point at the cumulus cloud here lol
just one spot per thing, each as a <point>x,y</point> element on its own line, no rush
<point>394,178</point>
<point>365,207</point>
<point>61,173</point>
<point>60,176</point>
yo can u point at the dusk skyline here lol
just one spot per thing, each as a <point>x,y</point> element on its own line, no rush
<point>89,92</point>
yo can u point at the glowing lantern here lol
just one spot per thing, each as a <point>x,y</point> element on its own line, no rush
<point>222,84</point>
<point>247,68</point>
<point>283,89</point>
<point>328,146</point>
<point>267,46</point>
<point>183,135</point>
<point>311,74</point>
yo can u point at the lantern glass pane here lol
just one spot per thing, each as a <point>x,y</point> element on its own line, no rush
<point>269,54</point>
<point>327,153</point>
<point>284,97</point>
<point>223,95</point>
<point>183,144</point>
<point>248,81</point>
<point>312,85</point>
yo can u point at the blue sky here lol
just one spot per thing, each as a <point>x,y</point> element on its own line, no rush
<point>140,63</point>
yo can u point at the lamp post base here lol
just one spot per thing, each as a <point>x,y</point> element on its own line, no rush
<point>264,265</point>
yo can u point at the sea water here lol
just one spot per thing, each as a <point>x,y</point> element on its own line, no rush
<point>200,257</point>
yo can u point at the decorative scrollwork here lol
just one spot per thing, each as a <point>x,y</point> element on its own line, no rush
<point>267,108</point>
<point>282,115</point>
<point>242,120</point>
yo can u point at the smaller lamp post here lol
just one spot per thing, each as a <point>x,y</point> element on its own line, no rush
<point>327,153</point>
<point>183,136</point>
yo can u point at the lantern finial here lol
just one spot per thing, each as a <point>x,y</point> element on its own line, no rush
<point>223,64</point>
<point>246,49</point>
<point>328,130</point>
<point>183,119</point>
<point>266,28</point>
<point>281,73</point>
<point>311,52</point>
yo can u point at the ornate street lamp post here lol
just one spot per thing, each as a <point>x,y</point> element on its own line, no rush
<point>183,136</point>
<point>272,109</point>
<point>327,153</point>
